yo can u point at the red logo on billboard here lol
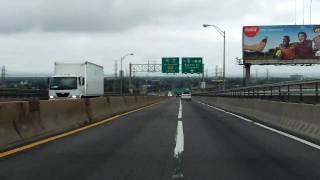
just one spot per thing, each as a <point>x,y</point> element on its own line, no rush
<point>251,31</point>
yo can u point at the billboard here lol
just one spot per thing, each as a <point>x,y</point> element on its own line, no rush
<point>283,44</point>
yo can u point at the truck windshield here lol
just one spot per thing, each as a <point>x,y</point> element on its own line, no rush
<point>62,83</point>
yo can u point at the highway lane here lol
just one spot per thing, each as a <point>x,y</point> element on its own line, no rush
<point>221,146</point>
<point>137,146</point>
<point>143,145</point>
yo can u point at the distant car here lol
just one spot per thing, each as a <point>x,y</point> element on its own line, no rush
<point>178,95</point>
<point>186,96</point>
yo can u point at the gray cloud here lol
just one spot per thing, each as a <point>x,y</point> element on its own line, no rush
<point>114,15</point>
<point>36,33</point>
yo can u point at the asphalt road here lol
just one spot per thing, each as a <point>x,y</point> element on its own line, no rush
<point>143,145</point>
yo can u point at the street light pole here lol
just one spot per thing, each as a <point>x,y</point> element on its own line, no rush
<point>121,71</point>
<point>224,60</point>
<point>223,34</point>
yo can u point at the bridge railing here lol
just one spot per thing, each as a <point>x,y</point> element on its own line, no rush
<point>294,91</point>
<point>38,94</point>
<point>15,93</point>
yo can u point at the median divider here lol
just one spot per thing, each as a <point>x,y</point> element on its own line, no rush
<point>131,102</point>
<point>140,100</point>
<point>9,113</point>
<point>29,123</point>
<point>24,122</point>
<point>63,114</point>
<point>118,104</point>
<point>98,108</point>
<point>296,118</point>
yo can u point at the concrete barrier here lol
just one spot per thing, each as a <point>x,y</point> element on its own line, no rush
<point>297,118</point>
<point>24,122</point>
<point>29,124</point>
<point>118,104</point>
<point>131,102</point>
<point>141,100</point>
<point>9,113</point>
<point>98,108</point>
<point>58,115</point>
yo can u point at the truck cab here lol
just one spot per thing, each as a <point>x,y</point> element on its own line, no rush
<point>66,86</point>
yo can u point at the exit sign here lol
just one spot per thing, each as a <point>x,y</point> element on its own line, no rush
<point>170,65</point>
<point>191,65</point>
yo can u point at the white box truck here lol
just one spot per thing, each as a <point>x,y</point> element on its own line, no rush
<point>76,80</point>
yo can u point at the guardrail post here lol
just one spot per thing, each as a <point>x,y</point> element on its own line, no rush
<point>264,92</point>
<point>300,87</point>
<point>280,93</point>
<point>288,92</point>
<point>271,92</point>
<point>317,93</point>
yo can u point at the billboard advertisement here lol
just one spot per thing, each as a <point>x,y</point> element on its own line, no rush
<point>283,44</point>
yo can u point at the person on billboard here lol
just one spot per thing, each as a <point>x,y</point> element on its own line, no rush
<point>316,40</point>
<point>285,51</point>
<point>259,47</point>
<point>304,48</point>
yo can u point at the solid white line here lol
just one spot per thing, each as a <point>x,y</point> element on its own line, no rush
<point>179,140</point>
<point>267,127</point>
<point>240,117</point>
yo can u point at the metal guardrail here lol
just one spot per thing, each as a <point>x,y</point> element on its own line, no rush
<point>293,91</point>
<point>36,94</point>
<point>13,93</point>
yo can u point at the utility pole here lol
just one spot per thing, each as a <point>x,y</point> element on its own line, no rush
<point>216,71</point>
<point>3,74</point>
<point>295,12</point>
<point>115,68</point>
<point>303,12</point>
<point>115,80</point>
<point>268,74</point>
<point>206,74</point>
<point>121,71</point>
<point>130,78</point>
<point>310,11</point>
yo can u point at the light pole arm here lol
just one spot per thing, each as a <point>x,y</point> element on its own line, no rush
<point>221,32</point>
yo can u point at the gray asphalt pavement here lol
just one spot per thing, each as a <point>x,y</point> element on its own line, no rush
<point>141,146</point>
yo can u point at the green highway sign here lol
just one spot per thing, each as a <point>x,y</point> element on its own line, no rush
<point>192,65</point>
<point>170,65</point>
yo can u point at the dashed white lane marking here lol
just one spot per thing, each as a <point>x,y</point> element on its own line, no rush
<point>178,150</point>
<point>266,127</point>
<point>180,111</point>
<point>179,140</point>
<point>179,136</point>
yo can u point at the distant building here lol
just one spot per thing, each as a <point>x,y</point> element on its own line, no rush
<point>296,77</point>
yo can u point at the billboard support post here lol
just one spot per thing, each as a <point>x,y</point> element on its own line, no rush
<point>247,73</point>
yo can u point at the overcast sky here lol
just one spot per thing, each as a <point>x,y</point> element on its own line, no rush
<point>34,34</point>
